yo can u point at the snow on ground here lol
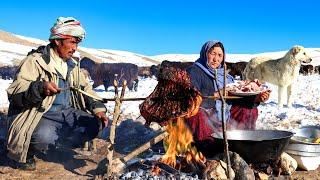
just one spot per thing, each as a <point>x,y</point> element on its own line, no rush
<point>4,84</point>
<point>129,109</point>
<point>305,110</point>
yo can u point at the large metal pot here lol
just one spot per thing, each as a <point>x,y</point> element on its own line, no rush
<point>258,146</point>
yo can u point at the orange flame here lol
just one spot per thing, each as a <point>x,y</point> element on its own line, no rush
<point>178,143</point>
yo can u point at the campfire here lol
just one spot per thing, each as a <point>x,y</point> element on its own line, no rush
<point>179,143</point>
<point>169,104</point>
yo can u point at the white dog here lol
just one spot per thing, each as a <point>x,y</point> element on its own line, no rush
<point>281,72</point>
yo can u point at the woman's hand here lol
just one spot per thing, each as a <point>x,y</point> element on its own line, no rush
<point>263,96</point>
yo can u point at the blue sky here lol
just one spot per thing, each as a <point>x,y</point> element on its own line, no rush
<point>168,26</point>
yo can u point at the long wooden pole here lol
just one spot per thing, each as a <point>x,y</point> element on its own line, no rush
<point>224,127</point>
<point>105,100</point>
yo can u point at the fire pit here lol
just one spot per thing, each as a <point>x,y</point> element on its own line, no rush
<point>259,146</point>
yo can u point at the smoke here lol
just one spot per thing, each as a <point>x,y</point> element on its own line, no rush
<point>240,119</point>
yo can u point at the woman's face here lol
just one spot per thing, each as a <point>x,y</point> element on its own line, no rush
<point>215,57</point>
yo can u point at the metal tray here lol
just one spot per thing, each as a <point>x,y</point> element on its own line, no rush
<point>306,134</point>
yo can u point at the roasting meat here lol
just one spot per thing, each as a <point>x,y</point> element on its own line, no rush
<point>172,97</point>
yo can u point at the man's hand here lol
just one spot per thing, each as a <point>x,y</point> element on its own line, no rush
<point>263,96</point>
<point>50,88</point>
<point>103,118</point>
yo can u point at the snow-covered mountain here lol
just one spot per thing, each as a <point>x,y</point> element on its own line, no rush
<point>313,52</point>
<point>14,48</point>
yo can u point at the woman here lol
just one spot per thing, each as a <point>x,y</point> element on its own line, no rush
<point>207,76</point>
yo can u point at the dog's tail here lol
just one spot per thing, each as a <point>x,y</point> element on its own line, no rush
<point>252,70</point>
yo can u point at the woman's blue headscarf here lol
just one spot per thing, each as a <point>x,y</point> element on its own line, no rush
<point>217,73</point>
<point>202,62</point>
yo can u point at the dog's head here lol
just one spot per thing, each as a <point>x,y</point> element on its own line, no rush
<point>300,54</point>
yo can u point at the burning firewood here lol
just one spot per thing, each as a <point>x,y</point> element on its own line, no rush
<point>155,170</point>
<point>215,169</point>
<point>179,143</point>
<point>239,166</point>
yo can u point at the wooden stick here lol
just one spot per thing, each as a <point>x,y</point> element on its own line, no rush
<point>224,127</point>
<point>116,91</point>
<point>113,127</point>
<point>123,99</point>
<point>105,100</point>
<point>224,97</point>
<point>124,85</point>
<point>145,146</point>
<point>120,163</point>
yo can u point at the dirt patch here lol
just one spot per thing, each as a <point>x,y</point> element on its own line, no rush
<point>301,174</point>
<point>62,163</point>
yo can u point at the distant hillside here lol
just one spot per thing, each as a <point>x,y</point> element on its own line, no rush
<point>11,38</point>
<point>13,48</point>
